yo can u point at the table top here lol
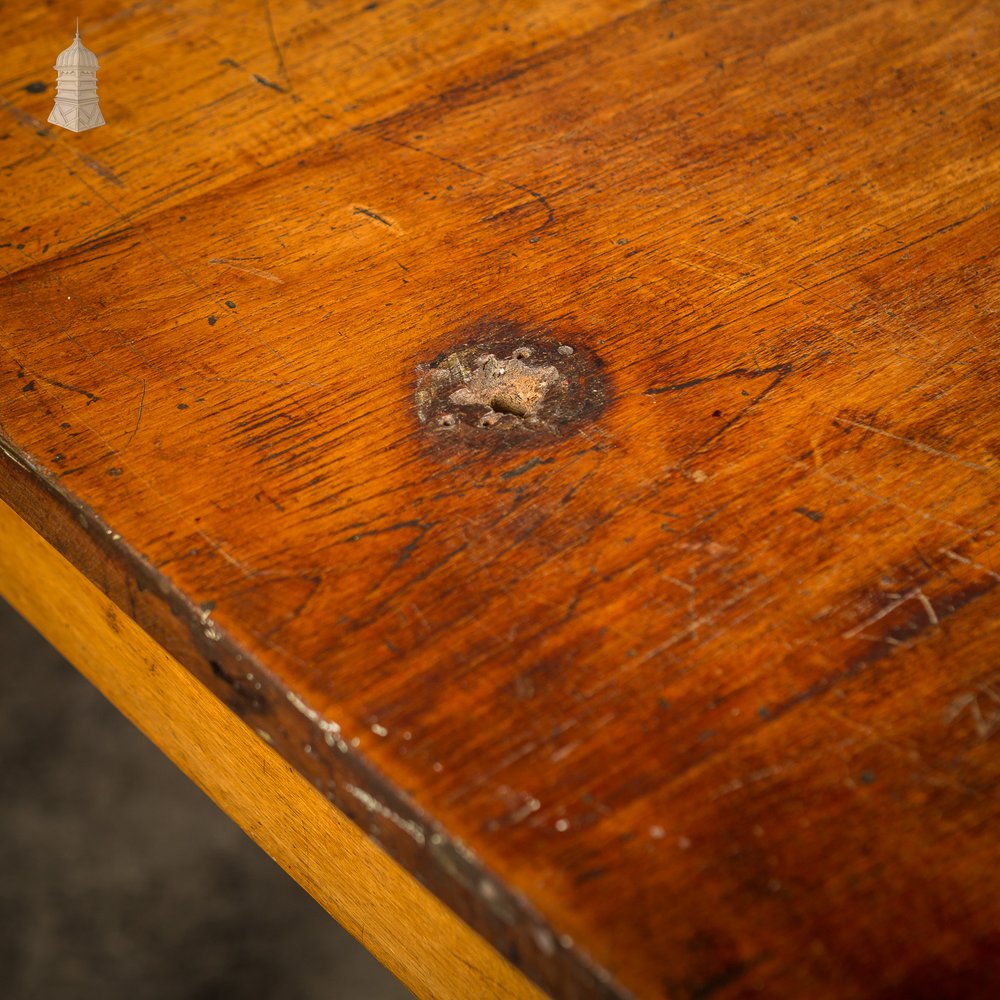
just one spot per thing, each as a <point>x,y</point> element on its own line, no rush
<point>567,432</point>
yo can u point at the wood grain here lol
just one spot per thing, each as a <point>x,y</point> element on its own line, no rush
<point>693,693</point>
<point>398,920</point>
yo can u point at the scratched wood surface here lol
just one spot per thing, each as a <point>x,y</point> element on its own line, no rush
<point>693,691</point>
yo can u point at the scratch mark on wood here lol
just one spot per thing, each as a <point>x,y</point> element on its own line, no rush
<point>100,169</point>
<point>256,271</point>
<point>932,617</point>
<point>138,417</point>
<point>761,774</point>
<point>968,562</point>
<point>883,646</point>
<point>986,724</point>
<point>23,118</point>
<point>126,219</point>
<point>782,369</point>
<point>913,594</point>
<point>40,128</point>
<point>540,198</point>
<point>216,546</point>
<point>358,210</point>
<point>525,467</point>
<point>813,515</point>
<point>919,445</point>
<point>276,48</point>
<point>268,83</point>
<point>855,487</point>
<point>91,398</point>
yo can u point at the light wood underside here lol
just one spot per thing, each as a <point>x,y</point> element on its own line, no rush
<point>434,953</point>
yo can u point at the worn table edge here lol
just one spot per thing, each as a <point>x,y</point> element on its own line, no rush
<point>171,622</point>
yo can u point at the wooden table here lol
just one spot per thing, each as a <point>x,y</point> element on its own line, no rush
<point>565,434</point>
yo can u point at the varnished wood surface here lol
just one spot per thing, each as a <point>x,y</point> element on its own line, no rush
<point>406,927</point>
<point>695,694</point>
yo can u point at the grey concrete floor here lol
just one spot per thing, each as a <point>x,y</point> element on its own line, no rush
<point>120,879</point>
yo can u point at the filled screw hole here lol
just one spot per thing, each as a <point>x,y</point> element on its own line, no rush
<point>507,389</point>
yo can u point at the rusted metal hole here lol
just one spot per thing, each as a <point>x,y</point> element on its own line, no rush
<point>508,386</point>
